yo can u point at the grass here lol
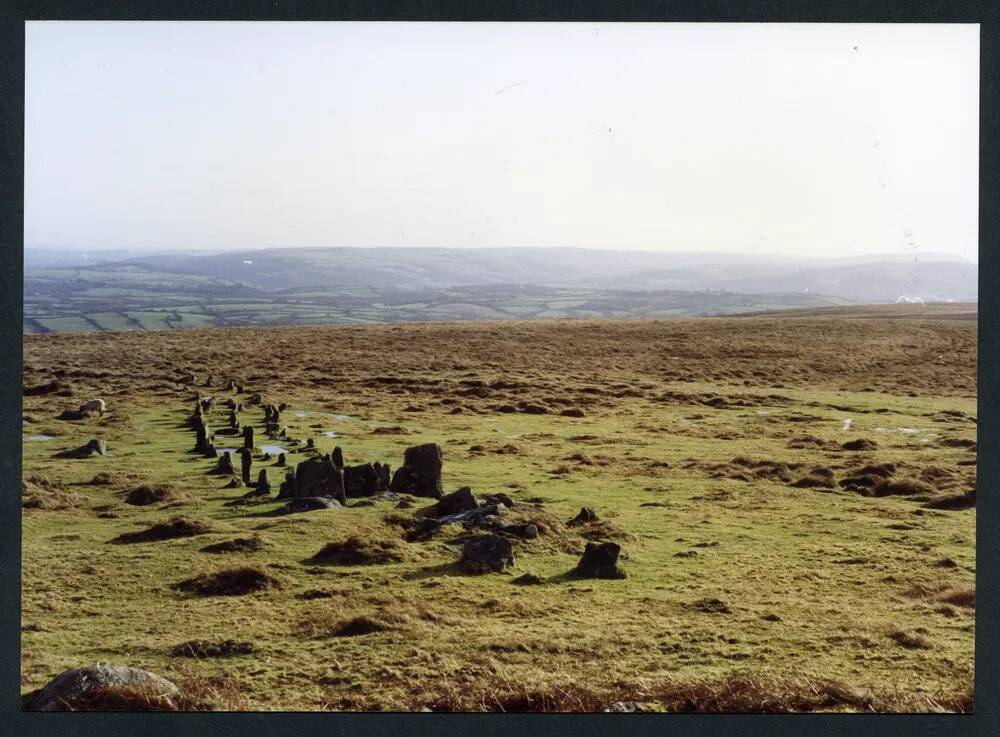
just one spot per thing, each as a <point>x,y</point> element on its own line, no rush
<point>782,579</point>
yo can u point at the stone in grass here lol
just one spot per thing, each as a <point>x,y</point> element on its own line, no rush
<point>309,504</point>
<point>528,579</point>
<point>94,447</point>
<point>420,473</point>
<point>486,554</point>
<point>600,560</point>
<point>104,687</point>
<point>525,530</point>
<point>460,501</point>
<point>585,516</point>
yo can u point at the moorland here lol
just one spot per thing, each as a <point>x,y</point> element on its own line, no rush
<point>794,500</point>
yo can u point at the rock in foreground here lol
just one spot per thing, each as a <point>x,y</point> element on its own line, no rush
<point>104,688</point>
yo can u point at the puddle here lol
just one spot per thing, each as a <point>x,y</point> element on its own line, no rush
<point>273,449</point>
<point>904,430</point>
<point>330,434</point>
<point>220,451</point>
<point>307,413</point>
<point>37,437</point>
<point>847,424</point>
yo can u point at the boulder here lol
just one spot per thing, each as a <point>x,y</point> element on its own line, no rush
<point>460,501</point>
<point>420,473</point>
<point>309,504</point>
<point>366,479</point>
<point>500,498</point>
<point>104,688</point>
<point>318,476</point>
<point>600,560</point>
<point>486,554</point>
<point>94,447</point>
<point>525,530</point>
<point>93,405</point>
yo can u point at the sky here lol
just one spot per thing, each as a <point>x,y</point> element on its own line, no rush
<point>806,140</point>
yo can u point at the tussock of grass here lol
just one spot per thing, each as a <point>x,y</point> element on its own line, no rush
<point>325,624</point>
<point>740,693</point>
<point>235,581</point>
<point>175,528</point>
<point>145,495</point>
<point>40,493</point>
<point>211,649</point>
<point>237,545</point>
<point>360,550</point>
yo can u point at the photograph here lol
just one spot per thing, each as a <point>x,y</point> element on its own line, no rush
<point>504,367</point>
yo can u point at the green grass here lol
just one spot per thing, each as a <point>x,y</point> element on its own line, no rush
<point>776,554</point>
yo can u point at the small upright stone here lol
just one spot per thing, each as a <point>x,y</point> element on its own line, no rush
<point>226,464</point>
<point>338,457</point>
<point>263,483</point>
<point>281,459</point>
<point>248,437</point>
<point>600,560</point>
<point>246,460</point>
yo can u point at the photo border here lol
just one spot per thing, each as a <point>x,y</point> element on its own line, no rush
<point>361,724</point>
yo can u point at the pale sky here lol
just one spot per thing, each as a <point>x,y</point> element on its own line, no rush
<point>825,140</point>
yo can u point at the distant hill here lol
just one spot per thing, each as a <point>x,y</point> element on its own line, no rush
<point>938,311</point>
<point>124,291</point>
<point>876,279</point>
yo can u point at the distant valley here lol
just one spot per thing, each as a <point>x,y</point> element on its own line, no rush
<point>286,286</point>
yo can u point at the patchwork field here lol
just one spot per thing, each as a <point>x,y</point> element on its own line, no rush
<point>768,567</point>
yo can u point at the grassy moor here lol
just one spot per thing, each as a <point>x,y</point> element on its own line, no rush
<point>760,513</point>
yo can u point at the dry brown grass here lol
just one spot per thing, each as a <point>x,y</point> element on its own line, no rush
<point>739,693</point>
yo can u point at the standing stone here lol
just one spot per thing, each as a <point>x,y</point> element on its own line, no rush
<point>281,459</point>
<point>231,386</point>
<point>364,480</point>
<point>600,560</point>
<point>209,381</point>
<point>210,451</point>
<point>310,443</point>
<point>263,484</point>
<point>287,488</point>
<point>318,476</point>
<point>246,459</point>
<point>420,473</point>
<point>383,471</point>
<point>234,421</point>
<point>201,438</point>
<point>248,437</point>
<point>226,464</point>
<point>338,457</point>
